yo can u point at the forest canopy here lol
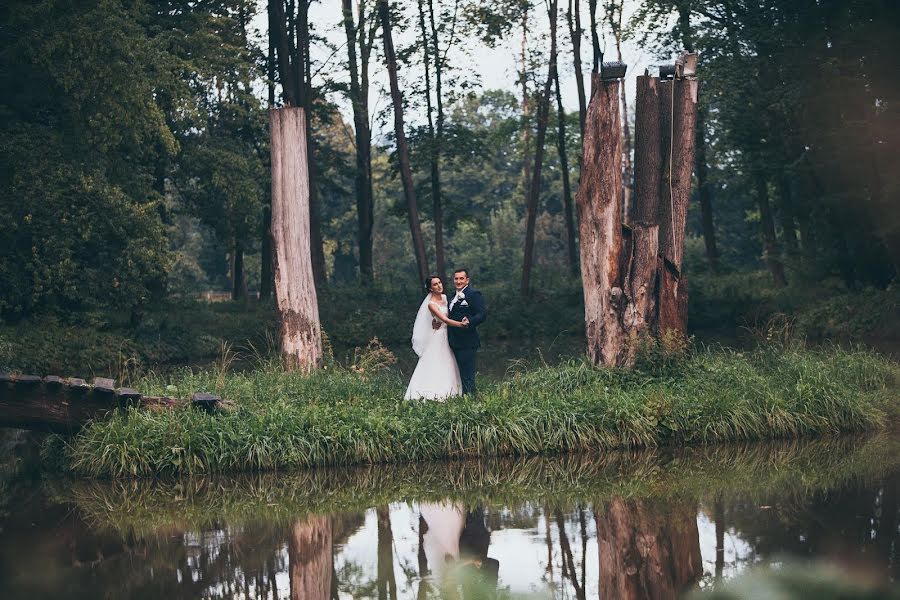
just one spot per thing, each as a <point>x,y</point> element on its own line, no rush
<point>134,159</point>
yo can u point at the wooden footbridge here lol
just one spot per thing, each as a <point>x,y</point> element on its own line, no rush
<point>65,405</point>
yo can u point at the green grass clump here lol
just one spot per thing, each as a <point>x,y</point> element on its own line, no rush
<point>340,417</point>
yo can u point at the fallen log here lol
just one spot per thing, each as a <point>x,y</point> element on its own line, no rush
<point>61,405</point>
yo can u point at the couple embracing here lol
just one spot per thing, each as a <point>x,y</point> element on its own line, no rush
<point>445,337</point>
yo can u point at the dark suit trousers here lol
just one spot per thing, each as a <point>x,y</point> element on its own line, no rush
<point>465,360</point>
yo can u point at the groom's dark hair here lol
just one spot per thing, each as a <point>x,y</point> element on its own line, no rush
<point>463,270</point>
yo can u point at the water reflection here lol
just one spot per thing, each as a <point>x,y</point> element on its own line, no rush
<point>634,525</point>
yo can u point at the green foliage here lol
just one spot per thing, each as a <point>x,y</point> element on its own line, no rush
<point>819,310</point>
<point>798,580</point>
<point>287,420</point>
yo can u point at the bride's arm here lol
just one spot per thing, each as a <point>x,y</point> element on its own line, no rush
<point>438,314</point>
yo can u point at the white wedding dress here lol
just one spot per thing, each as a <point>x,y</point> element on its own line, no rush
<point>436,376</point>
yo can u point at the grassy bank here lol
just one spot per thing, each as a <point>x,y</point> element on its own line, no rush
<point>340,417</point>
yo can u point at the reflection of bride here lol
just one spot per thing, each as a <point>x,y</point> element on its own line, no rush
<point>441,541</point>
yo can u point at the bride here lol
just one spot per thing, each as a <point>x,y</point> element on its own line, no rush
<point>436,376</point>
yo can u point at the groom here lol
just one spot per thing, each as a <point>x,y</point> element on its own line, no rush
<point>466,306</point>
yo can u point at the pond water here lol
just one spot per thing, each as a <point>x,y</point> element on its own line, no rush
<point>623,525</point>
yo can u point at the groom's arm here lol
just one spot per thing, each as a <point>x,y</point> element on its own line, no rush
<point>477,311</point>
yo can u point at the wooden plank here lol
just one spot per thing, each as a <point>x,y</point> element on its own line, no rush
<point>53,381</point>
<point>102,384</point>
<point>203,401</point>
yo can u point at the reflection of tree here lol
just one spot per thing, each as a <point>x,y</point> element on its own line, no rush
<point>646,552</point>
<point>387,583</point>
<point>568,562</point>
<point>310,556</point>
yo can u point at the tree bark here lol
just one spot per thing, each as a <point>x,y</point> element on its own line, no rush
<point>315,214</point>
<point>386,581</point>
<point>786,215</point>
<point>573,16</point>
<point>703,191</point>
<point>534,190</point>
<point>642,284</point>
<point>238,282</point>
<point>433,137</point>
<point>567,188</point>
<point>365,207</point>
<point>310,559</point>
<point>439,144</point>
<point>299,331</point>
<point>600,224</point>
<point>645,553</point>
<point>526,110</point>
<point>402,145</point>
<point>615,11</point>
<point>678,126</point>
<point>265,275</point>
<point>767,224</point>
<point>595,39</point>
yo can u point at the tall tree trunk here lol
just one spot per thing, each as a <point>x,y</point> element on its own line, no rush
<point>434,142</point>
<point>526,110</point>
<point>402,145</point>
<point>439,144</point>
<point>534,190</point>
<point>365,208</point>
<point>386,582</point>
<point>265,274</point>
<point>703,191</point>
<point>315,213</point>
<point>300,332</point>
<point>567,189</point>
<point>238,282</point>
<point>310,558</point>
<point>600,224</point>
<point>767,224</point>
<point>786,215</point>
<point>642,285</point>
<point>595,38</point>
<point>678,126</point>
<point>573,16</point>
<point>614,14</point>
<point>645,553</point>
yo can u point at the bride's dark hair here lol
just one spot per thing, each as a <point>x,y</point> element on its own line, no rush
<point>428,281</point>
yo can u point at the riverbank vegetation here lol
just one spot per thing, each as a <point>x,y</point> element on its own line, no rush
<point>341,416</point>
<point>733,472</point>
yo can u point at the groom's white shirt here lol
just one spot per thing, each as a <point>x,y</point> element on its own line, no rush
<point>456,297</point>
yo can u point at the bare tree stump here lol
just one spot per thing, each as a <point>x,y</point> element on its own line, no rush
<point>300,332</point>
<point>600,224</point>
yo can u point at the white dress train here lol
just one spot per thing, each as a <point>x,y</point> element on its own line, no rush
<point>436,376</point>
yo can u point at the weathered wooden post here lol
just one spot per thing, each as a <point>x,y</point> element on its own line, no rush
<point>600,223</point>
<point>295,290</point>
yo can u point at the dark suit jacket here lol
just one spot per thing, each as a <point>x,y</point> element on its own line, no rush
<point>471,306</point>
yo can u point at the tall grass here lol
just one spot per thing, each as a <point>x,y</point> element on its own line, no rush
<point>339,417</point>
